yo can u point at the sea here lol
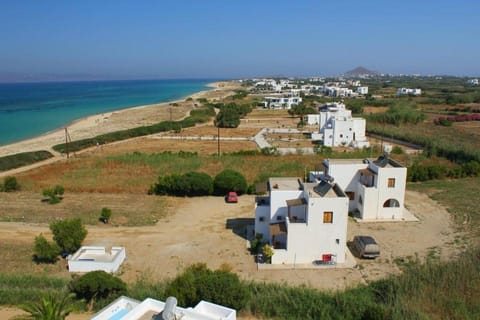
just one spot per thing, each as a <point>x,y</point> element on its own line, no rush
<point>31,109</point>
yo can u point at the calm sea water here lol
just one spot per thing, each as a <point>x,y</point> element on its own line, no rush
<point>30,109</point>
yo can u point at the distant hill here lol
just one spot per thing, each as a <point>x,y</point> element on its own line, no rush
<point>361,72</point>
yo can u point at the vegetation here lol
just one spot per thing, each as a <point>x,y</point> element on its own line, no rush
<point>51,306</point>
<point>399,113</point>
<point>189,184</point>
<point>23,159</point>
<point>97,286</point>
<point>301,109</point>
<point>54,194</point>
<point>200,283</point>
<point>45,251</point>
<point>229,180</point>
<point>10,184</point>
<point>68,234</point>
<point>105,215</point>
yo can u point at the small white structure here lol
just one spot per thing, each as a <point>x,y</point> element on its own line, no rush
<point>339,128</point>
<point>362,90</point>
<point>408,91</point>
<point>281,102</point>
<point>92,258</point>
<point>312,119</point>
<point>304,222</point>
<point>375,188</point>
<point>473,82</point>
<point>125,308</point>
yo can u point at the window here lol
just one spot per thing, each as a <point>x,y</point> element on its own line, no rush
<point>360,200</point>
<point>350,195</point>
<point>261,219</point>
<point>391,182</point>
<point>279,218</point>
<point>328,217</point>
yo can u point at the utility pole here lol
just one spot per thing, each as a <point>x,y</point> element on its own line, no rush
<point>66,141</point>
<point>218,141</point>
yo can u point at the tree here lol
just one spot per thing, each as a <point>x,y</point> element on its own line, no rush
<point>10,184</point>
<point>52,306</point>
<point>97,285</point>
<point>68,234</point>
<point>105,215</point>
<point>54,194</point>
<point>227,118</point>
<point>45,251</point>
<point>229,180</point>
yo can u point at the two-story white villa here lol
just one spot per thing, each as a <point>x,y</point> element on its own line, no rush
<point>304,222</point>
<point>376,188</point>
<point>281,102</point>
<point>409,91</point>
<point>339,128</point>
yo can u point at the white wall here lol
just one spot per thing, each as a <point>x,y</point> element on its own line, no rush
<point>75,265</point>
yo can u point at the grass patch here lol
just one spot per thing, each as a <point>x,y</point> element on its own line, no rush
<point>22,159</point>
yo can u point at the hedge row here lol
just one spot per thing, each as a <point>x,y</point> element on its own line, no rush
<point>200,184</point>
<point>22,159</point>
<point>459,118</point>
<point>200,115</point>
<point>419,172</point>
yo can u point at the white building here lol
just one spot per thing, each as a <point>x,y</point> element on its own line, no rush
<point>408,91</point>
<point>281,102</point>
<point>92,258</point>
<point>473,82</point>
<point>129,309</point>
<point>376,188</point>
<point>304,222</point>
<point>362,90</point>
<point>312,119</point>
<point>339,128</point>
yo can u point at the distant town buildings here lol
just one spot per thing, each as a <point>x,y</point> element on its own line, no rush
<point>408,91</point>
<point>473,82</point>
<point>337,127</point>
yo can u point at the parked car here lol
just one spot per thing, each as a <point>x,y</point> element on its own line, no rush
<point>231,197</point>
<point>366,247</point>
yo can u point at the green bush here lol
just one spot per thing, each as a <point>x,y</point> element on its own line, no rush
<point>97,286</point>
<point>191,184</point>
<point>68,234</point>
<point>105,215</point>
<point>229,180</point>
<point>22,159</point>
<point>45,251</point>
<point>200,283</point>
<point>54,194</point>
<point>397,150</point>
<point>10,184</point>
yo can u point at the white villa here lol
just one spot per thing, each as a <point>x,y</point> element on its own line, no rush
<point>473,82</point>
<point>362,90</point>
<point>129,309</point>
<point>304,222</point>
<point>281,102</point>
<point>376,188</point>
<point>338,128</point>
<point>408,91</point>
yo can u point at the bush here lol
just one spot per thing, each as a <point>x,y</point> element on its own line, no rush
<point>397,150</point>
<point>22,159</point>
<point>97,285</point>
<point>10,184</point>
<point>105,215</point>
<point>229,180</point>
<point>190,184</point>
<point>55,194</point>
<point>68,234</point>
<point>45,251</point>
<point>198,283</point>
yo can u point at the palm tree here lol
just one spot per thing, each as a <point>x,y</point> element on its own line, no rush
<point>51,306</point>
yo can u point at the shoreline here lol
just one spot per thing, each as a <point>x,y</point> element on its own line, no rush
<point>116,120</point>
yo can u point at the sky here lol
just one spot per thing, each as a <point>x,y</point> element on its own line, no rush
<point>237,39</point>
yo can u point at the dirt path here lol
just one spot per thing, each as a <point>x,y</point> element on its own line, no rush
<point>199,231</point>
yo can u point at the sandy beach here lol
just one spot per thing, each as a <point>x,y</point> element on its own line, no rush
<point>119,120</point>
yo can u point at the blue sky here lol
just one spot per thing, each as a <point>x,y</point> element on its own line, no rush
<point>231,39</point>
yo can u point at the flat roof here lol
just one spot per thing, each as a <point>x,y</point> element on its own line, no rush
<point>345,161</point>
<point>285,184</point>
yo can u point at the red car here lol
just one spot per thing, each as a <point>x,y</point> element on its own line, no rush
<point>231,197</point>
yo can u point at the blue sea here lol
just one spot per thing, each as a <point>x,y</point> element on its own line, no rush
<point>31,109</point>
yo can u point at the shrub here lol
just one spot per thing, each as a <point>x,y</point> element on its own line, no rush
<point>97,285</point>
<point>200,283</point>
<point>105,215</point>
<point>68,234</point>
<point>198,184</point>
<point>190,184</point>
<point>22,159</point>
<point>10,184</point>
<point>229,180</point>
<point>45,251</point>
<point>397,150</point>
<point>55,194</point>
